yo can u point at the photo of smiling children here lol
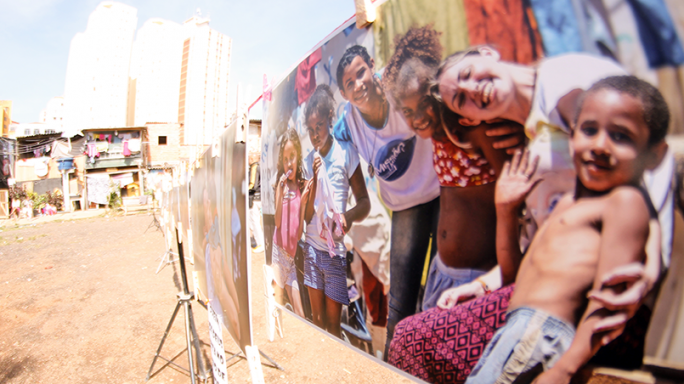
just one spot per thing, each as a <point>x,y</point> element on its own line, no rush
<point>291,199</point>
<point>618,131</point>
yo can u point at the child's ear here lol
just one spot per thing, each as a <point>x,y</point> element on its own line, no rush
<point>656,154</point>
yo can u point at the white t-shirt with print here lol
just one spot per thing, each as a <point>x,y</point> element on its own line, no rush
<point>402,160</point>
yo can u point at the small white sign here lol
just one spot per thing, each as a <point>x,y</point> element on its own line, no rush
<point>218,354</point>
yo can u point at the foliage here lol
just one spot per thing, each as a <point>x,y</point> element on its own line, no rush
<point>55,198</point>
<point>16,193</point>
<point>114,196</point>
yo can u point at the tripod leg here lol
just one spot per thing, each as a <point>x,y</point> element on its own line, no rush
<point>271,361</point>
<point>198,352</point>
<point>188,337</point>
<point>161,344</point>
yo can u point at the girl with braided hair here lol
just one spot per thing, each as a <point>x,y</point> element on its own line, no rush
<point>467,219</point>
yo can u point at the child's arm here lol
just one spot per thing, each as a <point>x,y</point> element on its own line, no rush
<point>452,296</point>
<point>362,207</point>
<point>639,279</point>
<point>309,212</point>
<point>485,144</point>
<point>515,182</point>
<point>280,186</point>
<point>624,232</point>
<point>306,195</point>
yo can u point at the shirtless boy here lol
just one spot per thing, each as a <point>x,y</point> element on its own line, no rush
<point>619,129</point>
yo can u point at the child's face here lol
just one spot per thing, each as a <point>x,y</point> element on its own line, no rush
<point>418,111</point>
<point>357,85</point>
<point>290,159</point>
<point>610,141</point>
<point>319,130</point>
<point>477,88</point>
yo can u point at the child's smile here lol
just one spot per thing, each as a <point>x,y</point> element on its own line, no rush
<point>610,140</point>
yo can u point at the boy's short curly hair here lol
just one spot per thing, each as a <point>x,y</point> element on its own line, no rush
<point>655,111</point>
<point>348,57</point>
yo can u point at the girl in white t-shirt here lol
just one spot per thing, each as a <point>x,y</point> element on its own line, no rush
<point>325,267</point>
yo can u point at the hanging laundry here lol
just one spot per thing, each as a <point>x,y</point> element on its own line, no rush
<point>92,151</point>
<point>558,26</point>
<point>657,33</point>
<point>305,83</point>
<point>506,25</point>
<point>102,146</point>
<point>134,145</point>
<point>126,150</point>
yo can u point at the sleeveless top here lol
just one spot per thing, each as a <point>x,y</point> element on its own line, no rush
<point>457,168</point>
<point>285,235</point>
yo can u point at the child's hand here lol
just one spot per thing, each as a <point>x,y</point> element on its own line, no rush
<point>553,376</point>
<point>626,303</point>
<point>307,191</point>
<point>465,292</point>
<point>316,165</point>
<point>509,136</point>
<point>283,178</point>
<point>516,180</point>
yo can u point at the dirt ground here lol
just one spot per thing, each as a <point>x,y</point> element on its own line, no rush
<point>80,303</point>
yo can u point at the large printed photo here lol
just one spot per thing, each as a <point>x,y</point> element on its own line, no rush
<point>218,198</point>
<point>409,165</point>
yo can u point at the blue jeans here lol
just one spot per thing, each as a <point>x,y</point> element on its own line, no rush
<point>440,278</point>
<point>412,229</point>
<point>531,342</point>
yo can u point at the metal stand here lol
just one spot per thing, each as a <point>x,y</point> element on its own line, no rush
<point>241,355</point>
<point>155,222</point>
<point>166,259</point>
<point>184,300</point>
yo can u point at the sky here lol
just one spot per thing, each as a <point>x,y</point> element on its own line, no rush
<point>269,36</point>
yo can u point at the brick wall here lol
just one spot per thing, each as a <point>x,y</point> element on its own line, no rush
<point>169,152</point>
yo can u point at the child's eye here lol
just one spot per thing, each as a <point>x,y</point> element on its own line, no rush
<point>620,137</point>
<point>465,74</point>
<point>407,112</point>
<point>589,131</point>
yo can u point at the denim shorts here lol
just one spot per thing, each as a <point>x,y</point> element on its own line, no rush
<point>440,278</point>
<point>531,342</point>
<point>284,270</point>
<point>325,273</point>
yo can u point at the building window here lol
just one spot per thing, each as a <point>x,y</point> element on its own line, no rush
<point>49,131</point>
<point>27,131</point>
<point>162,140</point>
<point>36,131</point>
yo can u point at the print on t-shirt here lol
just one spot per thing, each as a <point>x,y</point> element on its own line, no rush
<point>394,159</point>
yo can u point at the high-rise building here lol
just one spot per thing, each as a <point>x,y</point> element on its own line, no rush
<point>96,87</point>
<point>155,73</point>
<point>53,113</point>
<point>205,68</point>
<point>5,116</point>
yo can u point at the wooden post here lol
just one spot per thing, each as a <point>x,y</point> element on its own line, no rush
<point>365,13</point>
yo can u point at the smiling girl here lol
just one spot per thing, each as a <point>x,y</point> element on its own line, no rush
<point>325,272</point>
<point>291,197</point>
<point>467,217</point>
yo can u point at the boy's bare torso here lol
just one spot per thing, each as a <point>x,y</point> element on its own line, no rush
<point>561,263</point>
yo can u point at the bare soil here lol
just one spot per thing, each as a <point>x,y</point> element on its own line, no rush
<point>80,303</point>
